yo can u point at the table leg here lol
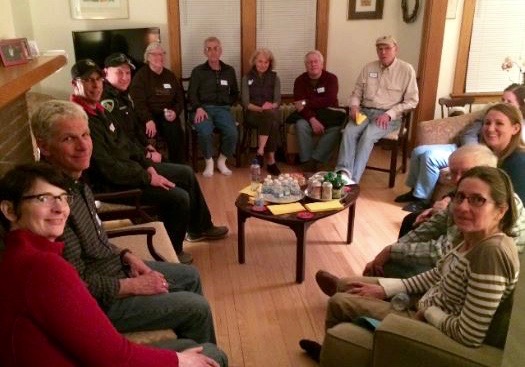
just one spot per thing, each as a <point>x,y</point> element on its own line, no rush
<point>241,219</point>
<point>300,232</point>
<point>350,228</point>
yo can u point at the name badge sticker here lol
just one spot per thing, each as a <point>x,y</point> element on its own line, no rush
<point>250,82</point>
<point>112,128</point>
<point>224,82</point>
<point>320,90</point>
<point>167,86</point>
<point>373,75</point>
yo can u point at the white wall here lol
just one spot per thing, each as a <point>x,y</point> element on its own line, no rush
<point>351,43</point>
<point>7,28</point>
<point>52,25</point>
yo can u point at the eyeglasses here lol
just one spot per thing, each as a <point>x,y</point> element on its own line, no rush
<point>476,201</point>
<point>49,199</point>
<point>215,48</point>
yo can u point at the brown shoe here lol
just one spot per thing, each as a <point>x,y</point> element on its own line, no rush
<point>327,282</point>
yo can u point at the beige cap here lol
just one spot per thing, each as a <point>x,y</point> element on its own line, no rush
<point>386,40</point>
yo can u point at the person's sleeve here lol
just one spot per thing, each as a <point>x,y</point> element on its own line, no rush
<point>410,97</point>
<point>471,133</point>
<point>104,288</point>
<point>513,166</point>
<point>277,90</point>
<point>245,92</point>
<point>491,275</point>
<point>117,171</point>
<point>357,93</point>
<point>424,244</point>
<point>61,305</point>
<point>234,90</point>
<point>138,91</point>
<point>193,90</point>
<point>420,283</point>
<point>178,97</point>
<point>518,229</point>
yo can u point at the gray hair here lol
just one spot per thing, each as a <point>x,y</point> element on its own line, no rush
<point>152,46</point>
<point>481,154</point>
<point>314,52</point>
<point>266,53</point>
<point>49,113</point>
<point>211,39</point>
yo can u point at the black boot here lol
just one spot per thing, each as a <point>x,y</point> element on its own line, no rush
<point>313,349</point>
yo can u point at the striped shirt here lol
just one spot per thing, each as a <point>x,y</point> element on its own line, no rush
<point>463,291</point>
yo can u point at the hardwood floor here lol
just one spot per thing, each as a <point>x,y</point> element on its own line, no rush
<point>260,312</point>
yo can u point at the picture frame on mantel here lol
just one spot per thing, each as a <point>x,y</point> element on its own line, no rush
<point>14,51</point>
<point>99,9</point>
<point>365,9</point>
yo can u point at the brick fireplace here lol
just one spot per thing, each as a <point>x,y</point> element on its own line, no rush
<point>15,81</point>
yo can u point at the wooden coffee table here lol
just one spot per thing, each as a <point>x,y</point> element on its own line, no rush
<point>299,226</point>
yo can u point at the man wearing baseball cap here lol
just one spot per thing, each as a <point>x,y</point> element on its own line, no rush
<point>384,89</point>
<point>117,164</point>
<point>118,103</point>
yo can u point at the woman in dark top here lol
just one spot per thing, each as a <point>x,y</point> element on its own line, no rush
<point>501,132</point>
<point>261,96</point>
<point>159,101</point>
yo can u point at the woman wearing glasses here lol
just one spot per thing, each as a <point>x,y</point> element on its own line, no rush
<point>47,315</point>
<point>462,292</point>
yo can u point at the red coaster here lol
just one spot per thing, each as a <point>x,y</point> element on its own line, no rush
<point>258,208</point>
<point>305,215</point>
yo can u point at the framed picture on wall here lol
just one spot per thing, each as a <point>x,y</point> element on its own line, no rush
<point>99,9</point>
<point>14,51</point>
<point>365,9</point>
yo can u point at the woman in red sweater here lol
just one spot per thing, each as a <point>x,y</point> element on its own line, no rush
<point>47,316</point>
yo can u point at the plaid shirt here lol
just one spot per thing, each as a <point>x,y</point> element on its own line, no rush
<point>87,248</point>
<point>428,242</point>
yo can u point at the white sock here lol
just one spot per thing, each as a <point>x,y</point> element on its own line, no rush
<point>208,170</point>
<point>221,165</point>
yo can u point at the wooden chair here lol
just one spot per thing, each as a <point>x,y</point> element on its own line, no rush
<point>449,103</point>
<point>395,141</point>
<point>123,205</point>
<point>191,134</point>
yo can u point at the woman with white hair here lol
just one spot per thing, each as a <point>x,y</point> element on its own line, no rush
<point>159,101</point>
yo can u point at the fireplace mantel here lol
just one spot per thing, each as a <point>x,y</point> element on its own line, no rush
<point>17,80</point>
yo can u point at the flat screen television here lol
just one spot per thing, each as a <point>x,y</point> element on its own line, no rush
<point>97,45</point>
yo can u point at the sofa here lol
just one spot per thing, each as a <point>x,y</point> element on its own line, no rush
<point>443,131</point>
<point>399,341</point>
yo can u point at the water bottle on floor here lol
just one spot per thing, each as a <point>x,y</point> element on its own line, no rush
<point>255,175</point>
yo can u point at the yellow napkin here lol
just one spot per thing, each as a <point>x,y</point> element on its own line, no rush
<point>285,208</point>
<point>323,206</point>
<point>248,190</point>
<point>360,118</point>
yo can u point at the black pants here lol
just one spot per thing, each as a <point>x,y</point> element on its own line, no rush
<point>173,133</point>
<point>181,209</point>
<point>267,123</point>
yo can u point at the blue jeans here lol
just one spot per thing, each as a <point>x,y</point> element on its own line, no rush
<point>326,144</point>
<point>183,309</point>
<point>425,163</point>
<point>358,142</point>
<point>219,117</point>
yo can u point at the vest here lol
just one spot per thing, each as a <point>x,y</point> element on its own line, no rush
<point>261,87</point>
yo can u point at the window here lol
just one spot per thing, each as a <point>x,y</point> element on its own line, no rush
<point>297,20</point>
<point>204,18</point>
<point>492,19</point>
